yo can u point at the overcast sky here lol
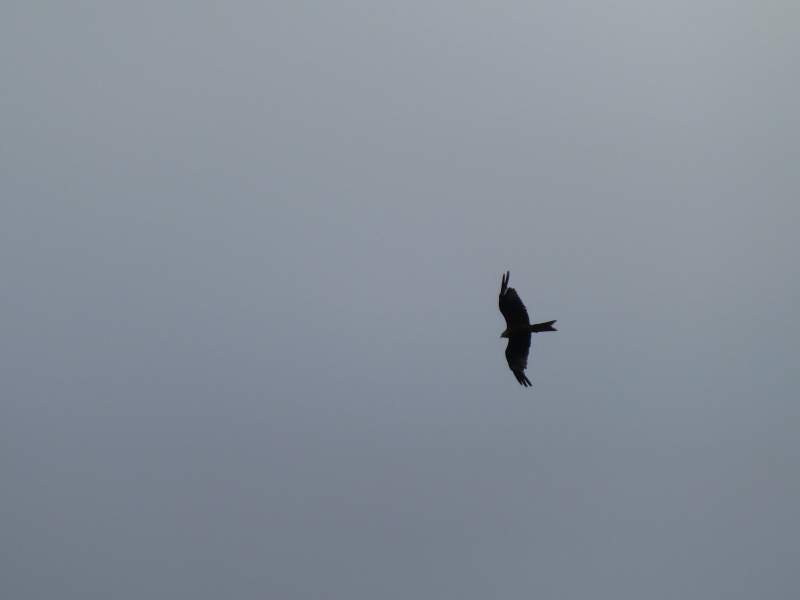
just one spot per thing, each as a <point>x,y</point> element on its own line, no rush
<point>251,254</point>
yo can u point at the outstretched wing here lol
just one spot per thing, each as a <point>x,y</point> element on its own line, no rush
<point>517,356</point>
<point>512,307</point>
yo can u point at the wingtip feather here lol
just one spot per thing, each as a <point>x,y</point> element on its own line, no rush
<point>504,283</point>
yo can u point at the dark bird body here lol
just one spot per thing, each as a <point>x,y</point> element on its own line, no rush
<point>518,330</point>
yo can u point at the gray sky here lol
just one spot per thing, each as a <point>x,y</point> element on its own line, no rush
<point>251,255</point>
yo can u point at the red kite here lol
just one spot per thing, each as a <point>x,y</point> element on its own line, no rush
<point>518,330</point>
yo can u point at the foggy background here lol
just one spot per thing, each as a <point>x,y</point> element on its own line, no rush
<point>251,254</point>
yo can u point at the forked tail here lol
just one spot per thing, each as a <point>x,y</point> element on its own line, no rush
<point>543,327</point>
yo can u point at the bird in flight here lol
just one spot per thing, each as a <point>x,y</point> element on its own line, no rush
<point>518,330</point>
